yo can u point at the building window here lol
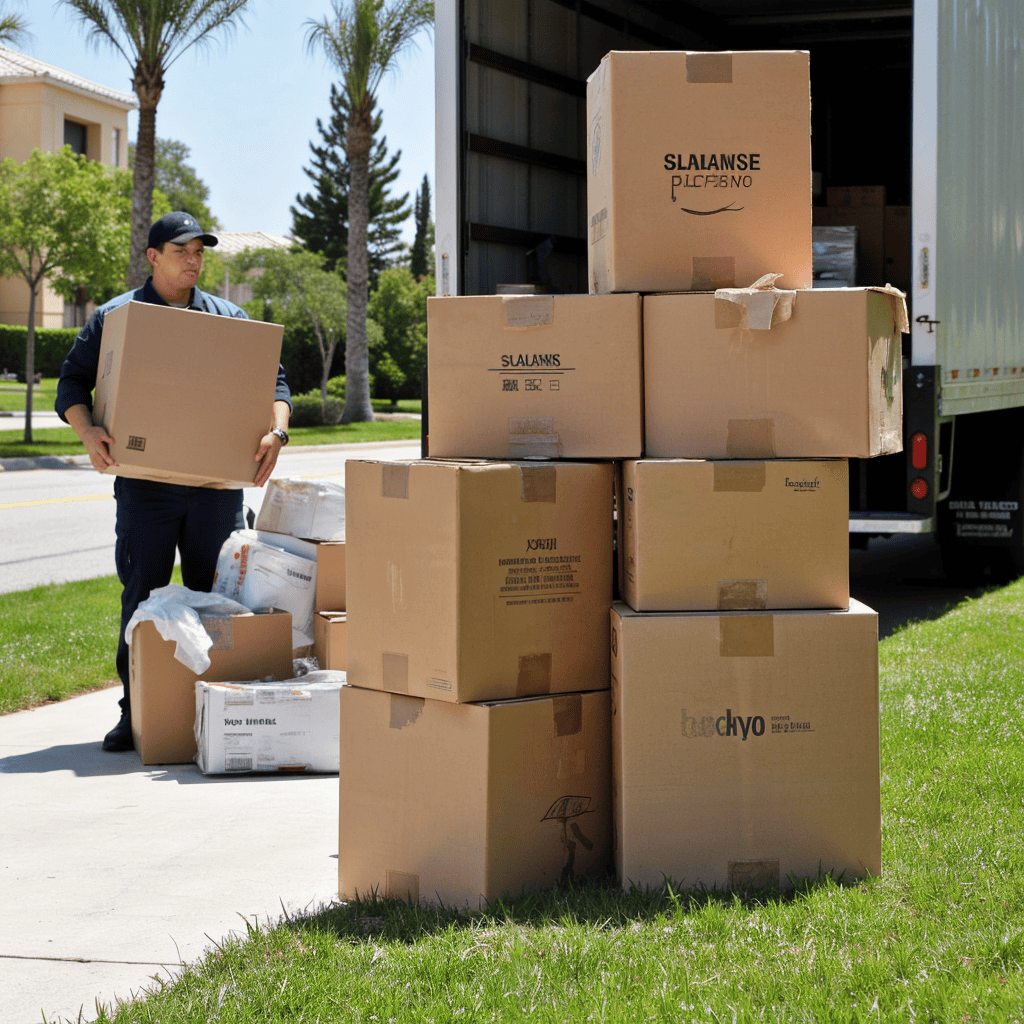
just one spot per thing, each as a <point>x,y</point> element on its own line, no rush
<point>115,156</point>
<point>75,136</point>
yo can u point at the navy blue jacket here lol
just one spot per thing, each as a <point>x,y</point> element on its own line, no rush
<point>78,374</point>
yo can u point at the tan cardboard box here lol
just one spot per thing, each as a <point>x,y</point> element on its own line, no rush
<point>163,690</point>
<point>329,646</point>
<point>330,576</point>
<point>826,383</point>
<point>735,534</point>
<point>161,367</point>
<point>745,746</point>
<point>700,170</point>
<point>472,581</point>
<point>466,803</point>
<point>522,376</point>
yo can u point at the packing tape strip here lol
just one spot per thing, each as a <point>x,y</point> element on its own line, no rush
<point>746,636</point>
<point>402,885</point>
<point>394,670</point>
<point>709,68</point>
<point>534,675</point>
<point>404,710</point>
<point>538,483</point>
<point>526,311</point>
<point>742,595</point>
<point>394,480</point>
<point>750,439</point>
<point>746,477</point>
<point>533,437</point>
<point>567,712</point>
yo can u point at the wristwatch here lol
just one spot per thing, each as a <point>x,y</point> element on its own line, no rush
<point>280,433</point>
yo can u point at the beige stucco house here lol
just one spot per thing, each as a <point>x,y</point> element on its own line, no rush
<point>44,107</point>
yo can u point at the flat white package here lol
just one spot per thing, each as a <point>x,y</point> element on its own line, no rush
<point>289,726</point>
<point>265,570</point>
<point>310,509</point>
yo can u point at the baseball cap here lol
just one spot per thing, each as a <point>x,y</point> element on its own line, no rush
<point>179,228</point>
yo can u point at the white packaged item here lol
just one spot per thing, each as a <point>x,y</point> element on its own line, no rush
<point>265,570</point>
<point>310,509</point>
<point>289,726</point>
<point>178,615</point>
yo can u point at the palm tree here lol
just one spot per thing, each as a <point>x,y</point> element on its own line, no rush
<point>13,28</point>
<point>151,35</point>
<point>363,40</point>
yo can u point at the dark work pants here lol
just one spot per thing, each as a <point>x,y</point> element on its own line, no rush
<point>154,520</point>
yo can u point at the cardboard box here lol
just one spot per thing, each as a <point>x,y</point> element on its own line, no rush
<point>329,645</point>
<point>270,570</point>
<point>472,581</point>
<point>745,746</point>
<point>161,367</point>
<point>870,224</point>
<point>525,376</point>
<point>466,803</point>
<point>825,383</point>
<point>700,170</point>
<point>735,534</point>
<point>289,727</point>
<point>308,509</point>
<point>330,576</point>
<point>162,689</point>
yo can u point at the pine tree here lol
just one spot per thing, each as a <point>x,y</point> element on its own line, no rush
<point>320,219</point>
<point>421,262</point>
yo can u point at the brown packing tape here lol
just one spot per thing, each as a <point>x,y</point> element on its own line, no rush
<point>746,636</point>
<point>748,477</point>
<point>533,437</point>
<point>753,874</point>
<point>404,710</point>
<point>762,305</point>
<point>750,439</point>
<point>538,483</point>
<point>222,631</point>
<point>401,885</point>
<point>394,480</point>
<point>567,712</point>
<point>534,675</point>
<point>710,273</point>
<point>395,672</point>
<point>525,311</point>
<point>742,595</point>
<point>727,315</point>
<point>709,68</point>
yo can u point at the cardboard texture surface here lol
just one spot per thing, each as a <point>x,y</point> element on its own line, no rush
<point>309,509</point>
<point>825,383</point>
<point>163,690</point>
<point>330,576</point>
<point>289,727</point>
<point>478,581</point>
<point>745,746</point>
<point>465,803</point>
<point>160,367</point>
<point>329,647</point>
<point>734,534</point>
<point>524,376</point>
<point>699,170</point>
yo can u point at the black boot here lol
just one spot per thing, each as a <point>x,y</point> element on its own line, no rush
<point>120,737</point>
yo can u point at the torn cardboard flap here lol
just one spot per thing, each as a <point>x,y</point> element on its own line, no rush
<point>900,318</point>
<point>762,305</point>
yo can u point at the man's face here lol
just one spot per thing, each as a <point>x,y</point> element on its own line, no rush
<point>177,268</point>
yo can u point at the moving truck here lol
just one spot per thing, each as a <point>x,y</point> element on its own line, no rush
<point>917,139</point>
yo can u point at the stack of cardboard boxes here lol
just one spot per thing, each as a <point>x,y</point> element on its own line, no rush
<point>478,591</point>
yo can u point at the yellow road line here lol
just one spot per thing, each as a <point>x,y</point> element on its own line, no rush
<point>55,501</point>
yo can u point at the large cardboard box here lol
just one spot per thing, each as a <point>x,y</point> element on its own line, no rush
<point>472,581</point>
<point>329,645</point>
<point>330,576</point>
<point>745,746</point>
<point>162,689</point>
<point>187,396</point>
<point>524,376</point>
<point>699,170</point>
<point>466,803</point>
<point>735,534</point>
<point>288,727</point>
<point>825,383</point>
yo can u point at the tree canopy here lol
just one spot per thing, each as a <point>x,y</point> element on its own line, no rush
<point>320,218</point>
<point>421,259</point>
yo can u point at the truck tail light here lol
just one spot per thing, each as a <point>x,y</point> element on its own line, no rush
<point>919,488</point>
<point>919,452</point>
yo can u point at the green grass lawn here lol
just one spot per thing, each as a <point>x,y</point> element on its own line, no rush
<point>12,395</point>
<point>938,937</point>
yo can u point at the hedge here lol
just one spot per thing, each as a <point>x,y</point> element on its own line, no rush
<point>52,345</point>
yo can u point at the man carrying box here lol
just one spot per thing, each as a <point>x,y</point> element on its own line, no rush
<point>156,518</point>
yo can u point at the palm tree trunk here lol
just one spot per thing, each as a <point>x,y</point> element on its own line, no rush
<point>358,408</point>
<point>143,180</point>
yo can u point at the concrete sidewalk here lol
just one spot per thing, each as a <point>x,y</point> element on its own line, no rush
<point>113,873</point>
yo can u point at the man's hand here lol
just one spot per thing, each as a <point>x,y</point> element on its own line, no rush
<point>96,440</point>
<point>266,456</point>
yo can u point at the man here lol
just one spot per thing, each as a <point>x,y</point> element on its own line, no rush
<point>154,519</point>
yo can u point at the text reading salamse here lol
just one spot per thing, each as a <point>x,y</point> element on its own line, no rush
<point>713,162</point>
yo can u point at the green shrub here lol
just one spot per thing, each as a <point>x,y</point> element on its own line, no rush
<point>308,411</point>
<point>52,345</point>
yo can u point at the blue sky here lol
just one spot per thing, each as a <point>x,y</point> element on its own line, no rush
<point>247,105</point>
